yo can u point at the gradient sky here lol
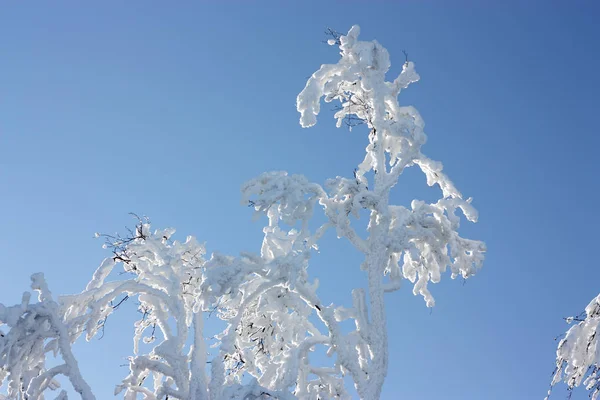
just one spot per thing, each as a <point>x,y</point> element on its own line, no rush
<point>166,108</point>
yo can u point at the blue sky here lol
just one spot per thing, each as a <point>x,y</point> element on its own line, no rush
<point>166,108</point>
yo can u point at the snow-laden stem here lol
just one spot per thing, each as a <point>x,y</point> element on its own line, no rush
<point>378,323</point>
<point>376,260</point>
<point>199,384</point>
<point>72,367</point>
<point>377,256</point>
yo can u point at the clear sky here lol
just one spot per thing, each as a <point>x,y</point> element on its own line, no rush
<point>166,108</point>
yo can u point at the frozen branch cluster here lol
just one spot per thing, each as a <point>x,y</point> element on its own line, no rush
<point>578,353</point>
<point>273,315</point>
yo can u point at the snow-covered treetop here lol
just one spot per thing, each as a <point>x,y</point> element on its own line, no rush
<point>273,315</point>
<point>395,134</point>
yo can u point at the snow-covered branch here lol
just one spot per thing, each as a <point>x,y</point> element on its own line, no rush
<point>35,330</point>
<point>578,353</point>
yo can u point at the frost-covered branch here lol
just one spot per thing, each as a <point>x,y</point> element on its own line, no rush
<point>37,329</point>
